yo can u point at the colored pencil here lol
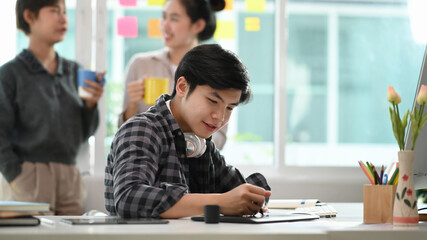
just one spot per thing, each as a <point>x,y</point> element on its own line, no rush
<point>366,171</point>
<point>393,177</point>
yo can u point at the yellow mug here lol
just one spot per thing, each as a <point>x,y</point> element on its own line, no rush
<point>154,87</point>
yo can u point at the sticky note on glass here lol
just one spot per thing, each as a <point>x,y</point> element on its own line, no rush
<point>128,3</point>
<point>228,4</point>
<point>255,5</point>
<point>153,28</point>
<point>224,30</point>
<point>127,27</point>
<point>252,24</point>
<point>156,2</point>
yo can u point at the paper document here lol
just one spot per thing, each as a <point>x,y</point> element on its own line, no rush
<point>292,203</point>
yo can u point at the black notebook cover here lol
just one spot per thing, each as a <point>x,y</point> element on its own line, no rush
<point>19,221</point>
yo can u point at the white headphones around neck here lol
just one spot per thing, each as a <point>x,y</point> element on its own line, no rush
<point>196,146</point>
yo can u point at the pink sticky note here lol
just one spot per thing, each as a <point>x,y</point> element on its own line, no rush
<point>128,3</point>
<point>127,27</point>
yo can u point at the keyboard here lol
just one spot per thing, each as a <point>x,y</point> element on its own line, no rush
<point>321,210</point>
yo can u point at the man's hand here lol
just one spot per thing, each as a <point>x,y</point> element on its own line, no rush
<point>246,199</point>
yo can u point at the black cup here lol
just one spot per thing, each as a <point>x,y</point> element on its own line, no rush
<point>212,213</point>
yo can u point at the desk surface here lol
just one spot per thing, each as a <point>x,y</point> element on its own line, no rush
<point>347,225</point>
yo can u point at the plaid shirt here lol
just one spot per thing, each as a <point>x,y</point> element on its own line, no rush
<point>148,171</point>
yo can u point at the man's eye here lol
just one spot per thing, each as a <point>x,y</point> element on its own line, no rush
<point>230,108</point>
<point>213,101</point>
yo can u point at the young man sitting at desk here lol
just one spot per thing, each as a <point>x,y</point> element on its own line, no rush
<point>149,170</point>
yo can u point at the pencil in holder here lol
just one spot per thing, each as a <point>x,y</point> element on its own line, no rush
<point>378,203</point>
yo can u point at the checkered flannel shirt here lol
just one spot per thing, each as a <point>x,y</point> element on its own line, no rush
<point>148,171</point>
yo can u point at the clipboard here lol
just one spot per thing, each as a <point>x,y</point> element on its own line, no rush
<point>267,218</point>
<point>112,220</point>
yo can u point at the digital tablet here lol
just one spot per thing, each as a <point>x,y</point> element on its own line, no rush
<point>267,218</point>
<point>112,220</point>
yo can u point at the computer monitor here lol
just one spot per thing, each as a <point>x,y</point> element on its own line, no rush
<point>420,162</point>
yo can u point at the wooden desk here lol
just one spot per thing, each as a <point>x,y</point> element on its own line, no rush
<point>347,225</point>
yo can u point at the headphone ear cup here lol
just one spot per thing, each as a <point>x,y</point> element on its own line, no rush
<point>201,148</point>
<point>191,147</point>
<point>196,146</point>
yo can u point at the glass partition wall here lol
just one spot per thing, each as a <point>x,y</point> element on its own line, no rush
<point>319,72</point>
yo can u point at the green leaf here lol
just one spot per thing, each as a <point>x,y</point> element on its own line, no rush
<point>403,192</point>
<point>415,113</point>
<point>415,204</point>
<point>405,120</point>
<point>423,121</point>
<point>393,124</point>
<point>392,118</point>
<point>414,136</point>
<point>403,129</point>
<point>407,202</point>
<point>397,196</point>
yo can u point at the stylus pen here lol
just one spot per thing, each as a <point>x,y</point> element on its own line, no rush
<point>47,221</point>
<point>244,181</point>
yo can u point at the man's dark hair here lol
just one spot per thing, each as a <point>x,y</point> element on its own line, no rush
<point>204,9</point>
<point>32,5</point>
<point>211,65</point>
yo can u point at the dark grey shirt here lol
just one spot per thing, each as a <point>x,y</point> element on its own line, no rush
<point>42,118</point>
<point>147,169</point>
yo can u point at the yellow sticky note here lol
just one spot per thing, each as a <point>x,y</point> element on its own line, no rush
<point>153,28</point>
<point>229,4</point>
<point>156,2</point>
<point>224,30</point>
<point>252,24</point>
<point>255,5</point>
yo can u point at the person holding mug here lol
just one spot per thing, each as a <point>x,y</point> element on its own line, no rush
<point>184,24</point>
<point>43,120</point>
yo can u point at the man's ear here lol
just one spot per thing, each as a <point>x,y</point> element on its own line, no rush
<point>182,87</point>
<point>29,16</point>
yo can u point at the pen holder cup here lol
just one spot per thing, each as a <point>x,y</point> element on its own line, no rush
<point>378,203</point>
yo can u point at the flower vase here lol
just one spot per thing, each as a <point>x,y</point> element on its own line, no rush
<point>405,211</point>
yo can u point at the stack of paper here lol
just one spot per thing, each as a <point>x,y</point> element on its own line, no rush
<point>14,213</point>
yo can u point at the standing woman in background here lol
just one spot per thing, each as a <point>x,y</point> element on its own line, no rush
<point>185,23</point>
<point>43,120</point>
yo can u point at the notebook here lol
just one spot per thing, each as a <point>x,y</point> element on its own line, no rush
<point>112,220</point>
<point>19,221</point>
<point>19,210</point>
<point>267,218</point>
<point>23,206</point>
<point>325,210</point>
<point>292,203</point>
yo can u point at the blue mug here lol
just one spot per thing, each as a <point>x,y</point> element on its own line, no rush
<point>83,75</point>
